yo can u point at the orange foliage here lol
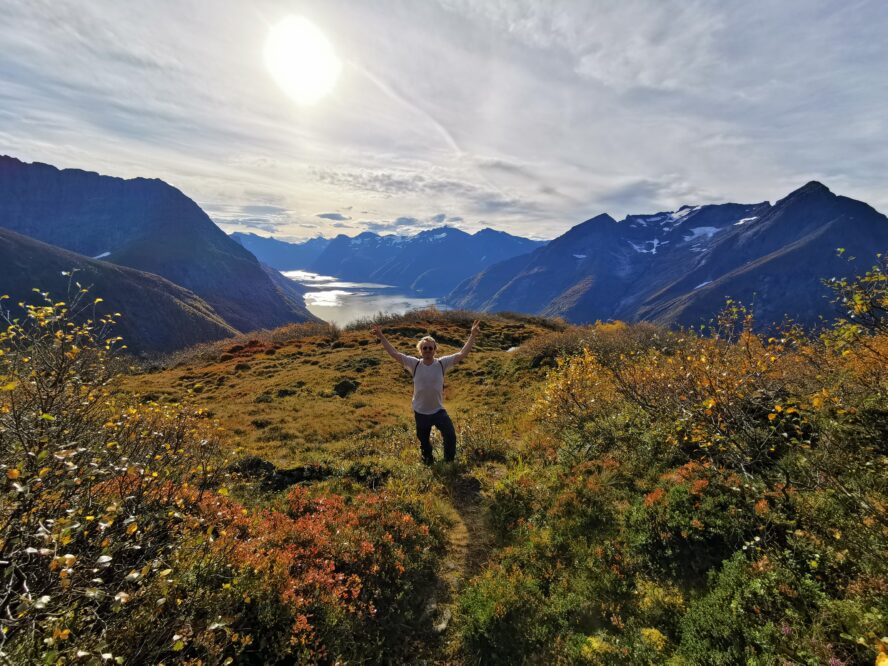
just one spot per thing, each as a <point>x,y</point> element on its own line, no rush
<point>322,555</point>
<point>654,496</point>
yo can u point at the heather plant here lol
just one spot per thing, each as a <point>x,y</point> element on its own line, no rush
<point>719,497</point>
<point>713,496</point>
<point>120,540</point>
<point>512,500</point>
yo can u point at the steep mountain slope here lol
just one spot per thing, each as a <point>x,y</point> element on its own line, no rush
<point>356,258</point>
<point>281,255</point>
<point>679,267</point>
<point>147,225</point>
<point>159,315</point>
<point>430,263</point>
<point>565,266</point>
<point>777,262</point>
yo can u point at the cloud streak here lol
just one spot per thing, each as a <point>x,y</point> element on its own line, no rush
<point>523,115</point>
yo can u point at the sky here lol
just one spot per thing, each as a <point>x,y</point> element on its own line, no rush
<point>520,115</point>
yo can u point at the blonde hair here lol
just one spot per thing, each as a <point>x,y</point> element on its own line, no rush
<point>427,338</point>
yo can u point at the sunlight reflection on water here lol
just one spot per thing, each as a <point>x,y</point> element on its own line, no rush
<point>342,302</point>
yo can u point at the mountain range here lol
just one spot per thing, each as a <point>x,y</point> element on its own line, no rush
<point>679,267</point>
<point>154,255</point>
<point>281,255</point>
<point>430,263</point>
<point>149,226</point>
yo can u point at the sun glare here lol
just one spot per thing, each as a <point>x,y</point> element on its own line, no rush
<point>301,59</point>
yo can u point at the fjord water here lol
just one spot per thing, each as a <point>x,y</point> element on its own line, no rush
<point>340,302</point>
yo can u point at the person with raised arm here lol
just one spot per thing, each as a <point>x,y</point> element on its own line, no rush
<point>428,389</point>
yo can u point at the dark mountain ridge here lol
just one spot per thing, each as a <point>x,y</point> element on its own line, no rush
<point>679,267</point>
<point>145,299</point>
<point>148,225</point>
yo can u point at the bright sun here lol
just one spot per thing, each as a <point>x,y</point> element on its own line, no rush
<point>301,59</point>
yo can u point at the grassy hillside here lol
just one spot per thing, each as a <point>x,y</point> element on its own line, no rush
<point>278,398</point>
<point>622,494</point>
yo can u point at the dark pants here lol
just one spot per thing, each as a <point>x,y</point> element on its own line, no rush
<point>442,422</point>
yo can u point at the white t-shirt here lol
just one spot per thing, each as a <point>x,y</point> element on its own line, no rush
<point>428,381</point>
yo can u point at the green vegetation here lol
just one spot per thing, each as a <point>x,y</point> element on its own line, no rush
<point>623,494</point>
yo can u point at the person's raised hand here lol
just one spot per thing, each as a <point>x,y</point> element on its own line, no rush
<point>376,330</point>
<point>476,327</point>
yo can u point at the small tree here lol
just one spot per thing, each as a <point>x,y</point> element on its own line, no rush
<point>95,490</point>
<point>864,299</point>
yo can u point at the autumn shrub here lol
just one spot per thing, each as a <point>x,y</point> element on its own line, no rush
<point>483,438</point>
<point>760,610</point>
<point>582,406</point>
<point>120,542</point>
<point>426,314</point>
<point>582,505</point>
<point>690,522</point>
<point>545,350</point>
<point>501,617</point>
<point>718,496</point>
<point>864,300</point>
<point>94,489</point>
<point>608,341</point>
<point>723,398</point>
<point>512,500</point>
<point>314,580</point>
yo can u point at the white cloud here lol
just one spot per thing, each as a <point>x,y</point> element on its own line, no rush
<point>526,115</point>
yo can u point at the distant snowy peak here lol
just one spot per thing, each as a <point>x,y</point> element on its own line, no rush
<point>666,220</point>
<point>370,239</point>
<point>440,233</point>
<point>366,238</point>
<point>431,262</point>
<point>683,212</point>
<point>679,266</point>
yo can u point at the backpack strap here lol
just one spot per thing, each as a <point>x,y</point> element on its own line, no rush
<point>415,367</point>
<point>420,361</point>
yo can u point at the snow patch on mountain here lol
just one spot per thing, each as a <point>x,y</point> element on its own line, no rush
<point>701,232</point>
<point>745,220</point>
<point>643,247</point>
<point>102,256</point>
<point>683,213</point>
